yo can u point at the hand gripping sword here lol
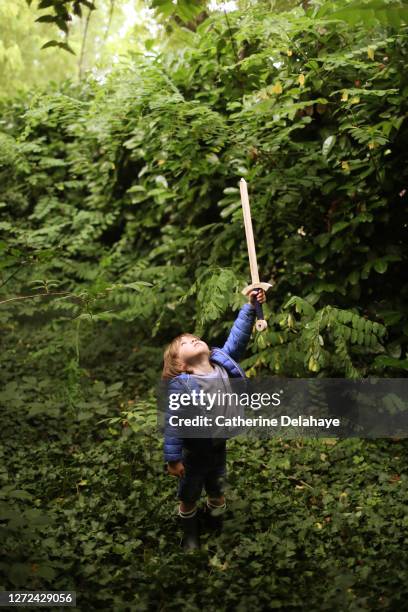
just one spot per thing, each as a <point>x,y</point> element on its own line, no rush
<point>261,324</point>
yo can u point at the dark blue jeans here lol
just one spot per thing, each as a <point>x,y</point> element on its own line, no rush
<point>206,470</point>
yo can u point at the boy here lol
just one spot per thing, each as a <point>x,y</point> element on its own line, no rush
<point>190,364</point>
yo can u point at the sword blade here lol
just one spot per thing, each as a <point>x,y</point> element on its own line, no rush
<point>253,264</point>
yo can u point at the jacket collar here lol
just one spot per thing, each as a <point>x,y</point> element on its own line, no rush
<point>220,357</point>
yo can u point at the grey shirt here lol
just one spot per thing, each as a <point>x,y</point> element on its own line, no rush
<point>218,381</point>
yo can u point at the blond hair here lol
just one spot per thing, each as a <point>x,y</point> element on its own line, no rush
<point>172,365</point>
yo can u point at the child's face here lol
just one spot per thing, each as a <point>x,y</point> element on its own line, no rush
<point>192,349</point>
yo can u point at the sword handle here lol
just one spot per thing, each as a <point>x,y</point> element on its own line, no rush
<point>258,307</point>
<point>261,323</point>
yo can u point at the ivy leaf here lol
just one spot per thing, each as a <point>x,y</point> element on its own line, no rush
<point>46,19</point>
<point>67,47</point>
<point>51,43</point>
<point>380,266</point>
<point>328,145</point>
<point>337,227</point>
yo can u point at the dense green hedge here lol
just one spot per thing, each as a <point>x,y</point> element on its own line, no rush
<point>135,180</point>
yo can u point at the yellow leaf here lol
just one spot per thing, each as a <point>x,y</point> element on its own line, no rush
<point>261,341</point>
<point>344,96</point>
<point>370,53</point>
<point>345,166</point>
<point>277,88</point>
<point>371,145</point>
<point>160,162</point>
<point>301,79</point>
<point>289,52</point>
<point>355,100</point>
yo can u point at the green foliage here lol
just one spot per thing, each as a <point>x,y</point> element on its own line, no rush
<point>184,10</point>
<point>29,60</point>
<point>329,341</point>
<point>214,288</point>
<point>62,11</point>
<point>391,13</point>
<point>131,183</point>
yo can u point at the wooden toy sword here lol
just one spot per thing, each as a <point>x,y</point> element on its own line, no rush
<point>261,324</point>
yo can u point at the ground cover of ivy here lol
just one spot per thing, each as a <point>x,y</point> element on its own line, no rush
<point>90,508</point>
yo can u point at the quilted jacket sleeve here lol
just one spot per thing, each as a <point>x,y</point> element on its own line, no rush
<point>172,445</point>
<point>240,332</point>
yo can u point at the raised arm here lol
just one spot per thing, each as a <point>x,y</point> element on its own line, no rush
<point>240,332</point>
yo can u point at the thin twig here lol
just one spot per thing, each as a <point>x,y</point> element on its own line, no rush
<point>13,274</point>
<point>108,25</point>
<point>84,37</point>
<point>299,480</point>
<point>25,297</point>
<point>231,36</point>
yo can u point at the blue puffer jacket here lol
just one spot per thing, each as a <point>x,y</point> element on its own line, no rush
<point>227,356</point>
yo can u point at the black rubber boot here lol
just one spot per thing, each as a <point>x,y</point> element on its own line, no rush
<point>212,521</point>
<point>191,535</point>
